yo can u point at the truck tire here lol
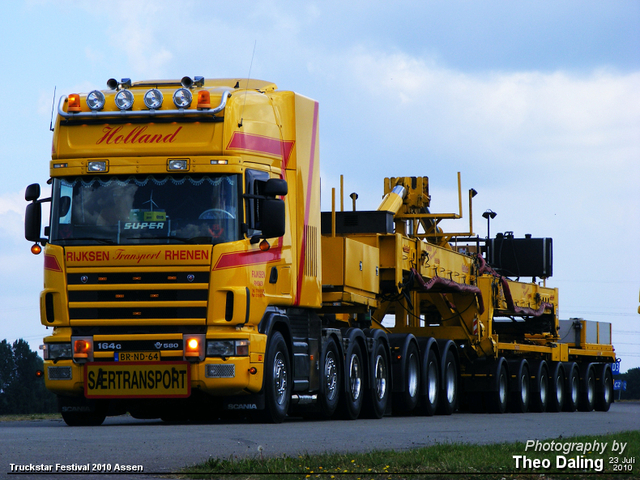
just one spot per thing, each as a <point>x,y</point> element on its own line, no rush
<point>277,380</point>
<point>351,400</point>
<point>330,379</point>
<point>498,399</point>
<point>604,388</point>
<point>556,388</point>
<point>377,396</point>
<point>405,402</point>
<point>430,382</point>
<point>539,387</point>
<point>520,394</point>
<point>572,387</point>
<point>449,391</point>
<point>80,412</point>
<point>83,419</point>
<point>587,388</point>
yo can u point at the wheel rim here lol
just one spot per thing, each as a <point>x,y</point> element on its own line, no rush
<point>502,389</point>
<point>451,382</point>
<point>355,377</point>
<point>559,389</point>
<point>607,391</point>
<point>524,389</point>
<point>543,389</point>
<point>412,386</point>
<point>591,389</point>
<point>574,389</point>
<point>381,377</point>
<point>331,375</point>
<point>432,382</point>
<point>280,378</point>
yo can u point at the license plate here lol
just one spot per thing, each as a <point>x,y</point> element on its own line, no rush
<point>137,380</point>
<point>136,356</point>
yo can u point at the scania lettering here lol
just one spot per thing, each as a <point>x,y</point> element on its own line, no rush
<point>189,273</point>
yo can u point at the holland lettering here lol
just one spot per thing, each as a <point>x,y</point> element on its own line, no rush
<point>118,135</point>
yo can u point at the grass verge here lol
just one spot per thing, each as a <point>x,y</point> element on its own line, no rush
<point>457,461</point>
<point>30,416</point>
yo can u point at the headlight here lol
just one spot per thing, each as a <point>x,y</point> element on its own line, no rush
<point>227,348</point>
<point>124,99</point>
<point>182,98</point>
<point>95,100</point>
<point>54,351</point>
<point>153,99</point>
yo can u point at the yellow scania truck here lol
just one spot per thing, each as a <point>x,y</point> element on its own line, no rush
<point>189,273</point>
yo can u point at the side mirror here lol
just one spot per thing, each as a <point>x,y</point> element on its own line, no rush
<point>32,192</point>
<point>33,222</point>
<point>275,187</point>
<point>273,213</point>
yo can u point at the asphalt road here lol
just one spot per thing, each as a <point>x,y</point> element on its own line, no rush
<point>162,448</point>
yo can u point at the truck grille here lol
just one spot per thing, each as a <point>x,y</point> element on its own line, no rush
<point>142,295</point>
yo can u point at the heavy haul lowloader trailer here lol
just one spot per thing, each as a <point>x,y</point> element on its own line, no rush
<point>189,272</point>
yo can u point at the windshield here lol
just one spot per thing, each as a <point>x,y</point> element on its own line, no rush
<point>149,209</point>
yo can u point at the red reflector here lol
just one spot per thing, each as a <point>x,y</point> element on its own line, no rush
<point>74,103</point>
<point>51,263</point>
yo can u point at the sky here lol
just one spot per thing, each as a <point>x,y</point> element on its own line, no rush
<point>536,103</point>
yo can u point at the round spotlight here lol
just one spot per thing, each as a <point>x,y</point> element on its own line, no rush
<point>95,100</point>
<point>124,99</point>
<point>182,98</point>
<point>153,99</point>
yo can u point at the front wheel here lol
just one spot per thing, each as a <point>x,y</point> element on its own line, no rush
<point>277,380</point>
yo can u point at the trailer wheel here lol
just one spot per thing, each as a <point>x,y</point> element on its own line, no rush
<point>556,389</point>
<point>520,395</point>
<point>497,400</point>
<point>430,383</point>
<point>351,401</point>
<point>604,389</point>
<point>449,391</point>
<point>540,394</point>
<point>378,395</point>
<point>277,381</point>
<point>572,388</point>
<point>587,389</point>
<point>331,379</point>
<point>407,400</point>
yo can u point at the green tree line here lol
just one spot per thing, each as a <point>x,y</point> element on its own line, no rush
<point>22,391</point>
<point>632,377</point>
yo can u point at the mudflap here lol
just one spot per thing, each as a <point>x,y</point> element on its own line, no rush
<point>244,403</point>
<point>79,405</point>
